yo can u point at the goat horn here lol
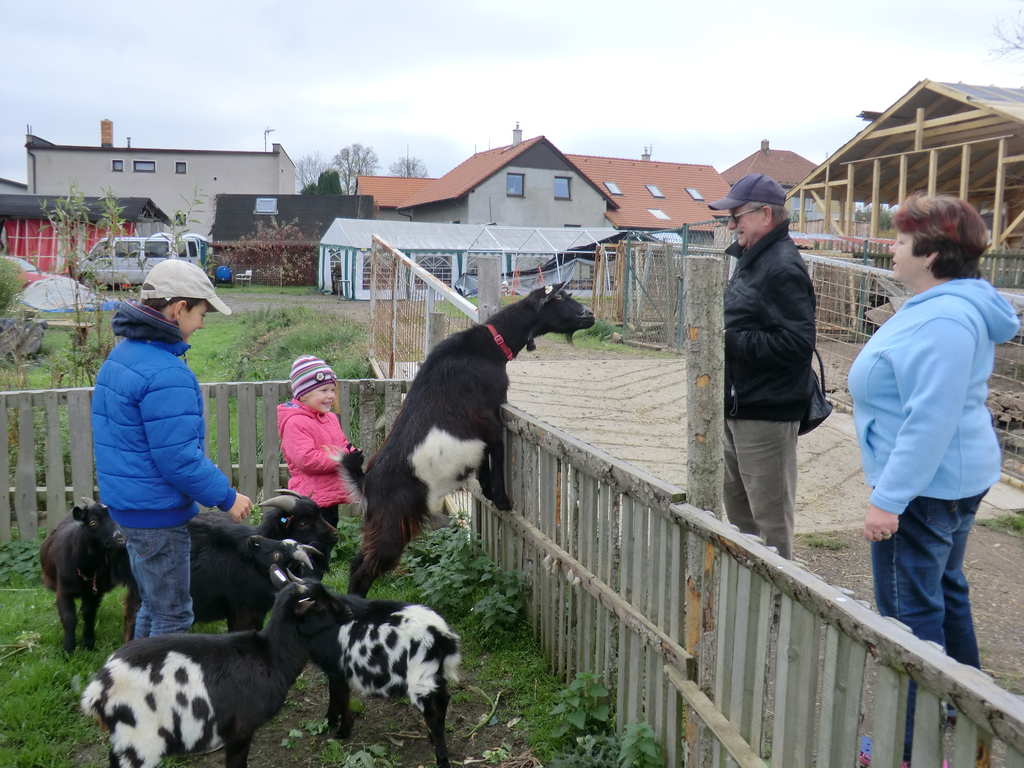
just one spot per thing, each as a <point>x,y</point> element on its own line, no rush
<point>86,501</point>
<point>288,492</point>
<point>310,549</point>
<point>300,554</point>
<point>287,503</point>
<point>292,577</point>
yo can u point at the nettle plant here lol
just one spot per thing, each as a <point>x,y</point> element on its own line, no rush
<point>583,707</point>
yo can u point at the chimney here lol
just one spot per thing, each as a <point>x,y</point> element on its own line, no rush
<point>517,134</point>
<point>106,133</point>
<point>764,146</point>
<point>646,153</point>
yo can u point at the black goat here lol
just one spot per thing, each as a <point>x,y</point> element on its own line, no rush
<point>294,516</point>
<point>188,693</point>
<point>390,649</point>
<point>85,557</point>
<point>231,570</point>
<point>449,426</point>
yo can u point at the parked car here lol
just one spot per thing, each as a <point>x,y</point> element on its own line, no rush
<point>133,257</point>
<point>29,272</point>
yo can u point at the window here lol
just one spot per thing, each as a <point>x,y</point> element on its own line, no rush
<point>514,184</point>
<point>658,214</point>
<point>613,187</point>
<point>563,188</point>
<point>117,166</point>
<point>695,194</point>
<point>144,166</point>
<point>655,192</point>
<point>157,249</point>
<point>266,205</point>
<point>181,167</point>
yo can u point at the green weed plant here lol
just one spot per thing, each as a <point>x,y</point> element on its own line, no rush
<point>582,708</point>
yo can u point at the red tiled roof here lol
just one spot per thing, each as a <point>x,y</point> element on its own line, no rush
<point>672,180</point>
<point>389,191</point>
<point>470,172</point>
<point>785,167</point>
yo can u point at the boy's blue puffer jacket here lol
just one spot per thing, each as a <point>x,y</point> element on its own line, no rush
<point>148,432</point>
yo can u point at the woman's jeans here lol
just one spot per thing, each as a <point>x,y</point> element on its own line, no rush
<point>919,580</point>
<point>161,561</point>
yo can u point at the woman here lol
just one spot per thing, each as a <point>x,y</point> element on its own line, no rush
<point>926,437</point>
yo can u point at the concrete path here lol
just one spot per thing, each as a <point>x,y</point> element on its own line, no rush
<point>635,410</point>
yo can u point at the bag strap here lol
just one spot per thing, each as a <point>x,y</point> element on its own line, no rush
<point>821,370</point>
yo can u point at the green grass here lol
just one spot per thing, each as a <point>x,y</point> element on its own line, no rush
<point>826,541</point>
<point>1012,523</point>
<point>290,290</point>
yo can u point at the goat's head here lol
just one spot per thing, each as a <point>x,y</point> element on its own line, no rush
<point>316,607</point>
<point>271,555</point>
<point>98,524</point>
<point>297,517</point>
<point>557,312</point>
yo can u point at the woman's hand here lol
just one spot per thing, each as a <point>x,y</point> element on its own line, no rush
<point>880,525</point>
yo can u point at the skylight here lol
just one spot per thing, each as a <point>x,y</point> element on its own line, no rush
<point>658,214</point>
<point>613,187</point>
<point>266,205</point>
<point>655,192</point>
<point>695,194</point>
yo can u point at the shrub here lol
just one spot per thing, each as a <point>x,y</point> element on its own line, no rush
<point>601,751</point>
<point>10,285</point>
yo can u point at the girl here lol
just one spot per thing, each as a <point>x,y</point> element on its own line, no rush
<point>311,436</point>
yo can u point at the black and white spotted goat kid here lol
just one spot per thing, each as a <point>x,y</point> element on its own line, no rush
<point>189,693</point>
<point>391,649</point>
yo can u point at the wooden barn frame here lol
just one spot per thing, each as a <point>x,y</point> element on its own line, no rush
<point>939,138</point>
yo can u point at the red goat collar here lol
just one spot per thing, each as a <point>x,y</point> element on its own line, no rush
<point>500,341</point>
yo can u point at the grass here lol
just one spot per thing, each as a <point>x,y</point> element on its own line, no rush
<point>826,541</point>
<point>1012,523</point>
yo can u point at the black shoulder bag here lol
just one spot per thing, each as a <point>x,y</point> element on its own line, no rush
<point>818,406</point>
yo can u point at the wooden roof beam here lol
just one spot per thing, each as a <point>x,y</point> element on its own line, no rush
<point>929,149</point>
<point>934,122</point>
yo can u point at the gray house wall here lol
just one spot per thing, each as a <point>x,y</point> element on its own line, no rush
<point>8,187</point>
<point>51,171</point>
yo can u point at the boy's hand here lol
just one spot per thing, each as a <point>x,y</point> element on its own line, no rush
<point>241,508</point>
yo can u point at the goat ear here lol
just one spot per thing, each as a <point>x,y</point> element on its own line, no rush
<point>78,513</point>
<point>254,542</point>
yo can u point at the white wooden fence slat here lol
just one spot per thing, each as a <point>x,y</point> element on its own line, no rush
<point>56,495</point>
<point>890,718</point>
<point>222,394</point>
<point>928,717</point>
<point>273,395</point>
<point>247,439</point>
<point>796,679</point>
<point>25,504</point>
<point>841,690</point>
<point>83,483</point>
<point>208,417</point>
<point>368,417</point>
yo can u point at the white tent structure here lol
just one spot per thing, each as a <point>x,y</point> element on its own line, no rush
<point>444,250</point>
<point>57,293</point>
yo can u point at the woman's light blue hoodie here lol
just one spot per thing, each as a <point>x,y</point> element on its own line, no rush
<point>919,388</point>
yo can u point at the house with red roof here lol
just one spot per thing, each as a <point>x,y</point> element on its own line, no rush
<point>532,183</point>
<point>786,167</point>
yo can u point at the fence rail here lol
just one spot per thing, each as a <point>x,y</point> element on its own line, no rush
<point>48,442</point>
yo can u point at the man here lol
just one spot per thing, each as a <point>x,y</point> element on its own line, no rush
<point>769,341</point>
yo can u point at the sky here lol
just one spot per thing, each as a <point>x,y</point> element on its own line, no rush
<point>697,82</point>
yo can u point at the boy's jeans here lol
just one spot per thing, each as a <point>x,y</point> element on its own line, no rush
<point>160,560</point>
<point>919,580</point>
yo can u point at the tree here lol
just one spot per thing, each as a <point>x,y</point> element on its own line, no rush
<point>353,161</point>
<point>329,183</point>
<point>408,168</point>
<point>309,168</point>
<point>1010,34</point>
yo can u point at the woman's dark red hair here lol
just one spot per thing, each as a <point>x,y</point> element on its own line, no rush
<point>948,226</point>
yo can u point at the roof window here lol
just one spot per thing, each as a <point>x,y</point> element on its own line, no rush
<point>658,214</point>
<point>613,187</point>
<point>266,205</point>
<point>653,189</point>
<point>695,194</point>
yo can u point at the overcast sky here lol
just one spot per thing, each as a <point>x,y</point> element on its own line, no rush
<point>700,82</point>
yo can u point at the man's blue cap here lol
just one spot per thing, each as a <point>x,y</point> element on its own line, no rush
<point>752,188</point>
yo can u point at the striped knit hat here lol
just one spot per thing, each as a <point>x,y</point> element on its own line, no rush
<point>308,373</point>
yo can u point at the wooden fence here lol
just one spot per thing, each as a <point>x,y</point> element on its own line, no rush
<point>48,442</point>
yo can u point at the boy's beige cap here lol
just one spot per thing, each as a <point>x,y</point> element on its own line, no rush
<point>175,278</point>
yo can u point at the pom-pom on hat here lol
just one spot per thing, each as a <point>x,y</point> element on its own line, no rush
<point>308,373</point>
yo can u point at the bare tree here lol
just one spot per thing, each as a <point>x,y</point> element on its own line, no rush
<point>352,161</point>
<point>1010,34</point>
<point>408,168</point>
<point>309,167</point>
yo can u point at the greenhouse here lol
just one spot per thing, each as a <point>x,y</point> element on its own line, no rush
<point>448,251</point>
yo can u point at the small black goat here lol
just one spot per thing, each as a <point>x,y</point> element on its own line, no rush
<point>231,570</point>
<point>85,557</point>
<point>294,516</point>
<point>449,427</point>
<point>188,693</point>
<point>390,649</point>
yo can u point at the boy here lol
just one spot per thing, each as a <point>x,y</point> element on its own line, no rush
<point>148,432</point>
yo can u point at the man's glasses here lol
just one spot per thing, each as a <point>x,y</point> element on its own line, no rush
<point>735,219</point>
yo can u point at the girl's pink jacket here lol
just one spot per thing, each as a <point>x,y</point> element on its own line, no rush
<point>306,438</point>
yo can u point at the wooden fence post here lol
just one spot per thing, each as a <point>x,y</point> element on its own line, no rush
<point>705,380</point>
<point>488,285</point>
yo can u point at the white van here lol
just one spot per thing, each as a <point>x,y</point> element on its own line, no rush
<point>133,257</point>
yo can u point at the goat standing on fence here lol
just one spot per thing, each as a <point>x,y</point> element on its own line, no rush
<point>84,557</point>
<point>449,427</point>
<point>148,429</point>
